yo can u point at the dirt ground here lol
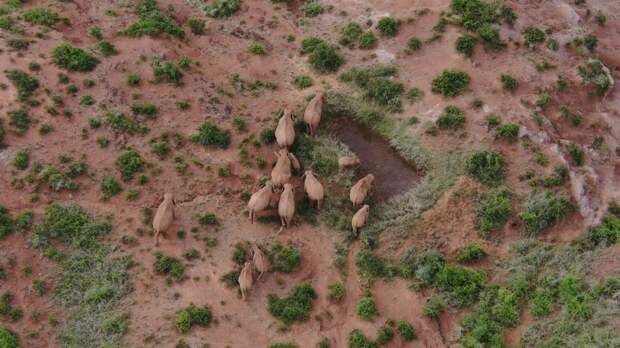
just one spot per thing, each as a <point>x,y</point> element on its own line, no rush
<point>222,52</point>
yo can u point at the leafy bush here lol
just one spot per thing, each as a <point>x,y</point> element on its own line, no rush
<point>406,330</point>
<point>192,315</point>
<point>508,131</point>
<point>120,122</point>
<point>368,40</point>
<point>461,286</point>
<point>106,48</point>
<point>73,58</point>
<point>222,8</point>
<point>414,44</point>
<point>367,309</point>
<point>385,92</point>
<point>385,334</point>
<point>371,266</point>
<point>486,166</point>
<point>110,186</point>
<point>20,120</point>
<point>197,25</point>
<point>133,79</point>
<point>169,266</point>
<point>473,14</point>
<point>41,16</point>
<point>593,72</point>
<point>590,41</point>
<point>147,109</point>
<point>350,34</point>
<point>388,26</point>
<point>21,160</point>
<point>24,83</point>
<point>211,135</point>
<point>471,253</point>
<point>2,134</point>
<point>336,292</point>
<point>302,81</point>
<point>167,71</point>
<point>422,265</point>
<point>285,259</point>
<point>153,22</point>
<point>129,163</point>
<point>296,307</point>
<point>509,82</point>
<point>325,58</point>
<point>451,118</point>
<point>604,234</point>
<point>465,44</point>
<point>257,49</point>
<point>533,36</point>
<point>357,339</point>
<point>491,38</point>
<point>8,338</point>
<point>493,209</point>
<point>309,44</point>
<point>543,101</point>
<point>542,210</point>
<point>284,345</point>
<point>313,8</point>
<point>6,222</point>
<point>498,309</point>
<point>434,306</point>
<point>451,83</point>
<point>576,153</point>
<point>541,303</point>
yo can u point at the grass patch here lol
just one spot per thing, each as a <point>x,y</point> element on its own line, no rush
<point>285,259</point>
<point>486,166</point>
<point>73,58</point>
<point>210,134</point>
<point>493,209</point>
<point>450,83</point>
<point>23,82</point>
<point>222,8</point>
<point>152,22</point>
<point>192,315</point>
<point>541,210</point>
<point>295,307</point>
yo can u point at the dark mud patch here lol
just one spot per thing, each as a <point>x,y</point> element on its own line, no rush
<point>393,174</point>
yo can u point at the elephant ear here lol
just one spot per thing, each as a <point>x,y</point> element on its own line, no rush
<point>294,161</point>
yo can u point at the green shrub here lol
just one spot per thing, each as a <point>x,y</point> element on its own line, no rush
<point>133,79</point>
<point>325,58</point>
<point>451,118</point>
<point>388,26</point>
<point>336,292</point>
<point>23,221</point>
<point>451,83</point>
<point>367,309</point>
<point>371,266</point>
<point>8,338</point>
<point>2,134</point>
<point>465,44</point>
<point>110,186</point>
<point>576,300</point>
<point>6,222</point>
<point>285,259</point>
<point>493,209</point>
<point>605,234</point>
<point>41,16</point>
<point>498,309</point>
<point>573,116</point>
<point>24,83</point>
<point>508,131</point>
<point>7,23</point>
<point>434,306</point>
<point>302,81</point>
<point>541,303</point>
<point>161,149</point>
<point>474,13</point>
<point>73,58</point>
<point>542,210</point>
<point>357,339</point>
<point>509,82</point>
<point>576,153</point>
<point>222,8</point>
<point>211,135</point>
<point>257,49</point>
<point>169,266</point>
<point>385,334</point>
<point>533,36</point>
<point>118,325</point>
<point>167,71</point>
<point>96,33</point>
<point>385,92</point>
<point>350,34</point>
<point>120,122</point>
<point>461,286</point>
<point>406,330</point>
<point>486,166</point>
<point>590,41</point>
<point>21,160</point>
<point>106,48</point>
<point>192,315</point>
<point>593,72</point>
<point>543,101</point>
<point>129,163</point>
<point>368,40</point>
<point>153,22</point>
<point>18,44</point>
<point>267,136</point>
<point>284,345</point>
<point>147,109</point>
<point>491,38</point>
<point>471,253</point>
<point>197,25</point>
<point>20,120</point>
<point>309,44</point>
<point>422,265</point>
<point>296,307</point>
<point>414,44</point>
<point>313,8</point>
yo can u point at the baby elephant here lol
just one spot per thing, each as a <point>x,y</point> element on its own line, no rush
<point>359,219</point>
<point>260,261</point>
<point>286,206</point>
<point>345,162</point>
<point>313,188</point>
<point>285,131</point>
<point>260,200</point>
<point>360,190</point>
<point>246,279</point>
<point>312,116</point>
<point>163,217</point>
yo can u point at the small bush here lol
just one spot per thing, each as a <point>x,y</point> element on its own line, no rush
<point>197,25</point>
<point>465,44</point>
<point>257,49</point>
<point>470,253</point>
<point>192,315</point>
<point>493,209</point>
<point>508,131</point>
<point>284,345</point>
<point>385,334</point>
<point>133,79</point>
<point>302,81</point>
<point>285,259</point>
<point>542,210</point>
<point>414,44</point>
<point>543,101</point>
<point>590,42</point>
<point>222,8</point>
<point>73,58</point>
<point>406,330</point>
<point>434,306</point>
<point>169,266</point>
<point>325,58</point>
<point>24,83</point>
<point>486,166</point>
<point>533,36</point>
<point>296,307</point>
<point>576,153</point>
<point>491,38</point>
<point>451,118</point>
<point>106,48</point>
<point>153,22</point>
<point>21,160</point>
<point>388,26</point>
<point>461,286</point>
<point>129,163</point>
<point>367,309</point>
<point>541,303</point>
<point>211,135</point>
<point>451,83</point>
<point>41,16</point>
<point>20,120</point>
<point>167,71</point>
<point>110,186</point>
<point>593,72</point>
<point>6,222</point>
<point>350,34</point>
<point>368,40</point>
<point>423,266</point>
<point>8,338</point>
<point>510,83</point>
<point>313,8</point>
<point>336,292</point>
<point>357,339</point>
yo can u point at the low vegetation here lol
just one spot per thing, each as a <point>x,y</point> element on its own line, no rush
<point>193,315</point>
<point>73,58</point>
<point>451,83</point>
<point>295,307</point>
